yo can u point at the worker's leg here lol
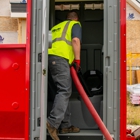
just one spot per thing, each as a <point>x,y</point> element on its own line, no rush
<point>66,121</point>
<point>66,126</point>
<point>60,71</point>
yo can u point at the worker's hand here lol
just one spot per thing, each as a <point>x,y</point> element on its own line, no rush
<point>76,64</point>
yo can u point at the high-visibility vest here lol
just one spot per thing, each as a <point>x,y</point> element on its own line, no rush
<point>61,40</point>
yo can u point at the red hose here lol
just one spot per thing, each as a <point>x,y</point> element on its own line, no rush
<point>89,104</point>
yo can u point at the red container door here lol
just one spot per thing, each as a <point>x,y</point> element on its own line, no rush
<point>12,91</point>
<point>15,87</point>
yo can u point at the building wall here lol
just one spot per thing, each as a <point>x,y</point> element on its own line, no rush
<point>8,25</point>
<point>24,29</point>
<point>21,30</point>
<point>4,8</point>
<point>132,42</point>
<point>9,37</point>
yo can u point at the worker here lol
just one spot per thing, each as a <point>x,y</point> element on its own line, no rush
<point>65,51</point>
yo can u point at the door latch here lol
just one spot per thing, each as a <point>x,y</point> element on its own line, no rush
<point>44,72</point>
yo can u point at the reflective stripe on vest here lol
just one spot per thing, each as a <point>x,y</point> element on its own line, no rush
<point>62,38</point>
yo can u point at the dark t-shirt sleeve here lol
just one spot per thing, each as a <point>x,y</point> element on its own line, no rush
<point>77,31</point>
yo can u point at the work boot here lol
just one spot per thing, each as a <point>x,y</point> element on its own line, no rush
<point>71,129</point>
<point>52,131</point>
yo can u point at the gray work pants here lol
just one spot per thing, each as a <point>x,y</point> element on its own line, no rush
<point>60,71</point>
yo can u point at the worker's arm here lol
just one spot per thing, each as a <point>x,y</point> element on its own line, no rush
<point>76,48</point>
<point>76,40</point>
<point>76,44</point>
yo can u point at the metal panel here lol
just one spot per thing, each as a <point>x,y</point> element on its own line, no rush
<point>15,67</point>
<point>12,99</point>
<point>39,61</point>
<point>111,66</point>
<point>44,82</point>
<point>36,58</point>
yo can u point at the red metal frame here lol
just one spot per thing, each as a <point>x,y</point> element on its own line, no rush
<point>27,78</point>
<point>15,87</point>
<point>123,70</point>
<point>10,46</point>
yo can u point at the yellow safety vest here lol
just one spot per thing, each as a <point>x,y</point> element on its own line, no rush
<point>61,40</point>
